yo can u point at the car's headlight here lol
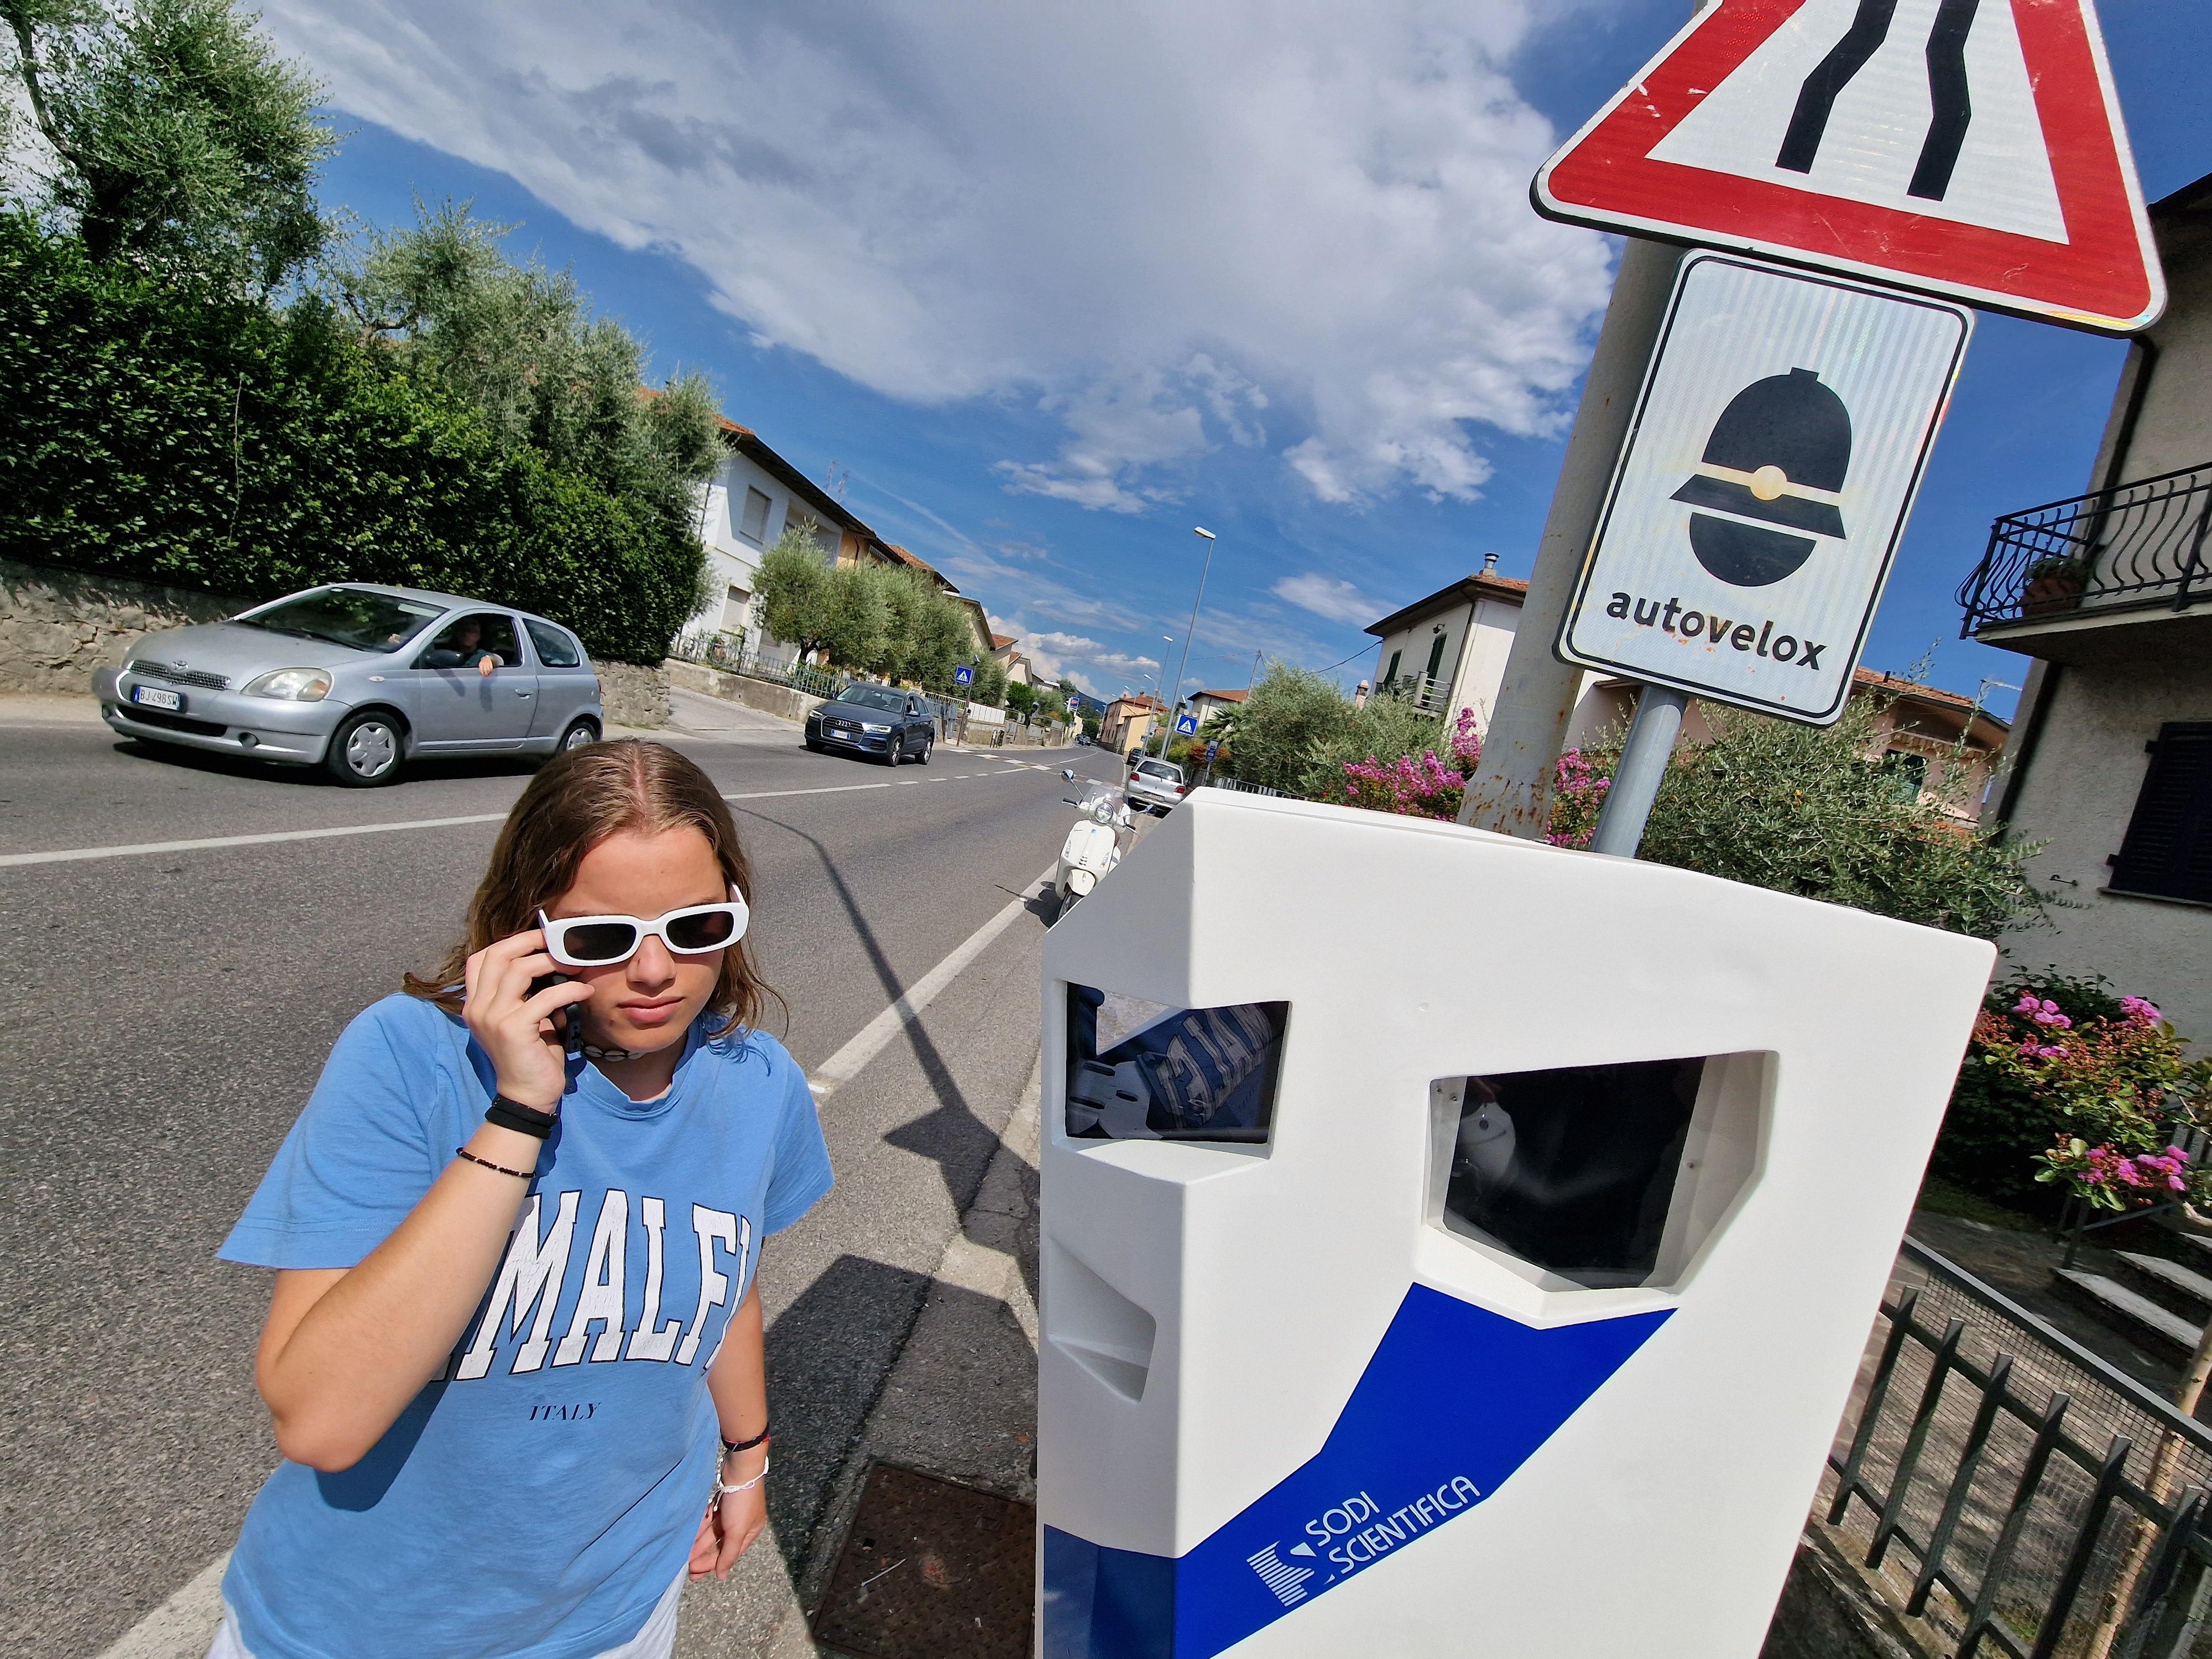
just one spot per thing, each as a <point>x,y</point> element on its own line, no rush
<point>870,726</point>
<point>292,684</point>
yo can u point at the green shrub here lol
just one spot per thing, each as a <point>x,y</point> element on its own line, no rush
<point>153,431</point>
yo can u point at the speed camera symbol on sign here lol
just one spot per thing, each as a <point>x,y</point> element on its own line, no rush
<point>1773,466</point>
<point>1778,440</point>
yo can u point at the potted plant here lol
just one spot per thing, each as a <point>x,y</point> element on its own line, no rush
<point>2054,584</point>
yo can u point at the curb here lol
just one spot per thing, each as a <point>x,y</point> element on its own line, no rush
<point>979,1434</point>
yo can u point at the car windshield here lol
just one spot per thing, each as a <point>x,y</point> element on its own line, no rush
<point>350,617</point>
<point>874,696</point>
<point>1160,770</point>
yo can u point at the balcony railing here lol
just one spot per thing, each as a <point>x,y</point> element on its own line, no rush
<point>2136,546</point>
<point>1431,694</point>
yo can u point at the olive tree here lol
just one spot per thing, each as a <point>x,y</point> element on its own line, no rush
<point>169,134</point>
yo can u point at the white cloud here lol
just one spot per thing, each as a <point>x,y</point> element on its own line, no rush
<point>1097,668</point>
<point>1329,596</point>
<point>1168,227</point>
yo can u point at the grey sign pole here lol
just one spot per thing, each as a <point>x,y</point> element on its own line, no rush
<point>1511,791</point>
<point>1636,777</point>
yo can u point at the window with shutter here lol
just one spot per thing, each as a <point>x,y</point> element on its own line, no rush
<point>2167,852</point>
<point>753,527</point>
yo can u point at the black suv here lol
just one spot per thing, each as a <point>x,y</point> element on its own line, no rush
<point>874,720</point>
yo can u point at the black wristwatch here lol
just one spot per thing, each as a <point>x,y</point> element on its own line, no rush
<point>523,1120</point>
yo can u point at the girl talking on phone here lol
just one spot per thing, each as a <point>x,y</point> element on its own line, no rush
<point>512,1356</point>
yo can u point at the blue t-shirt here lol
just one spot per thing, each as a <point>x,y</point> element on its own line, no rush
<point>535,1502</point>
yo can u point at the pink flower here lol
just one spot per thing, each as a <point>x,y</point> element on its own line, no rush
<point>2139,1012</point>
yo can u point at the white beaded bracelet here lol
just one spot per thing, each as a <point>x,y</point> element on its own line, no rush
<point>723,1490</point>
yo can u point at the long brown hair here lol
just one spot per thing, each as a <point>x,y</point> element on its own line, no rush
<point>579,798</point>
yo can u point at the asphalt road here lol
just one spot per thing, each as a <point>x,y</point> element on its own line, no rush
<point>163,1015</point>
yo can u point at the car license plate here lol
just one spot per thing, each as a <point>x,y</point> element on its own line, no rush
<point>151,698</point>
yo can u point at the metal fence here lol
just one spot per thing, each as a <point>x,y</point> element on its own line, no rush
<point>2016,1492</point>
<point>1238,784</point>
<point>733,655</point>
<point>2137,545</point>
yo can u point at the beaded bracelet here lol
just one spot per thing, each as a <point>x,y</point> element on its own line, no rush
<point>519,1174</point>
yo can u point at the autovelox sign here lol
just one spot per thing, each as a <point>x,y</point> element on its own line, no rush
<point>1780,434</point>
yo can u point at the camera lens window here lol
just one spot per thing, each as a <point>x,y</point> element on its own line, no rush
<point>1141,1070</point>
<point>1573,1170</point>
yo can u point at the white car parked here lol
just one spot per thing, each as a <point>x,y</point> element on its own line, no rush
<point>1155,784</point>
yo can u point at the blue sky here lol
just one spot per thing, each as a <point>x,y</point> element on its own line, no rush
<point>1049,289</point>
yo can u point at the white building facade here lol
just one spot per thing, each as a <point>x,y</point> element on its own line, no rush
<point>2109,597</point>
<point>752,499</point>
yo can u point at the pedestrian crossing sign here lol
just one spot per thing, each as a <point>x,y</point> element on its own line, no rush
<point>1185,725</point>
<point>1968,148</point>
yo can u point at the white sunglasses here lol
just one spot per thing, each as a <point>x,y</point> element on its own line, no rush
<point>602,941</point>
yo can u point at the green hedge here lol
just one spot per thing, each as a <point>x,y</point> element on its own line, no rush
<point>150,432</point>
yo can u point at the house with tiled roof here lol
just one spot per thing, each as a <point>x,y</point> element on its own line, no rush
<point>1019,670</point>
<point>1128,721</point>
<point>753,497</point>
<point>1207,704</point>
<point>1447,653</point>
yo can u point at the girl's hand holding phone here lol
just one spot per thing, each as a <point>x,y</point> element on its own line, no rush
<point>516,1028</point>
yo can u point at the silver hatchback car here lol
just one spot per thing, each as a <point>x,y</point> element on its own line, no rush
<point>359,679</point>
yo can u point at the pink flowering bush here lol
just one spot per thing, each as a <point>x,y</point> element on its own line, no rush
<point>2068,1089</point>
<point>1428,785</point>
<point>2110,1180</point>
<point>1425,785</point>
<point>1577,797</point>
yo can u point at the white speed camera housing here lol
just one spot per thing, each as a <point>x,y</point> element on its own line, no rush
<point>1457,1244</point>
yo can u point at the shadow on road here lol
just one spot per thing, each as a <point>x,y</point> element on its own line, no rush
<point>217,764</point>
<point>831,1351</point>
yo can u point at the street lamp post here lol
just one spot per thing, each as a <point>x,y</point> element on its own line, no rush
<point>1176,704</point>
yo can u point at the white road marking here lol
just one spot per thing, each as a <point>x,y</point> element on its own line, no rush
<point>842,1067</point>
<point>182,1626</point>
<point>140,849</point>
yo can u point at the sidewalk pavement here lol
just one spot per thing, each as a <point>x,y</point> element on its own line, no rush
<point>961,1402</point>
<point>43,708</point>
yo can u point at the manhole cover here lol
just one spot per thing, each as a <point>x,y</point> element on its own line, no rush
<point>932,1570</point>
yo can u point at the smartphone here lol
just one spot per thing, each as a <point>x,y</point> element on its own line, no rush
<point>572,1019</point>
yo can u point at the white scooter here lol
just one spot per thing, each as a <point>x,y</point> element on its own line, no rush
<point>1093,847</point>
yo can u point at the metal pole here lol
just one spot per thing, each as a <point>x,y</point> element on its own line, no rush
<point>1643,764</point>
<point>1204,571</point>
<point>1511,788</point>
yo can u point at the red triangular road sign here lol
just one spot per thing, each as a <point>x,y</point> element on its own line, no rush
<point>1972,148</point>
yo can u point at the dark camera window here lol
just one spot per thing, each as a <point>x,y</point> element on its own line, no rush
<point>1137,1070</point>
<point>1573,1168</point>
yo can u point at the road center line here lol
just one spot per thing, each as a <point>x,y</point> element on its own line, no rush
<point>876,1035</point>
<point>141,849</point>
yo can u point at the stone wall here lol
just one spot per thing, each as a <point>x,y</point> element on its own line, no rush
<point>770,699</point>
<point>633,696</point>
<point>56,626</point>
